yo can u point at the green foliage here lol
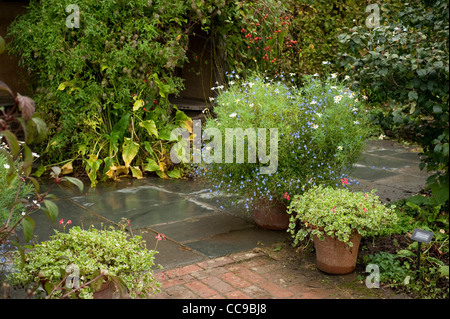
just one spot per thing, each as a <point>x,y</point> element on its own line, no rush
<point>338,212</point>
<point>97,255</point>
<point>104,86</point>
<point>399,272</point>
<point>288,36</point>
<point>11,194</point>
<point>403,65</point>
<point>398,269</point>
<point>321,131</point>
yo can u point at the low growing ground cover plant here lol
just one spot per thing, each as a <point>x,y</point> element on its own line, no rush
<point>396,254</point>
<point>321,130</point>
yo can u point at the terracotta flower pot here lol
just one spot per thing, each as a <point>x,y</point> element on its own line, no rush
<point>106,291</point>
<point>271,215</point>
<point>336,257</point>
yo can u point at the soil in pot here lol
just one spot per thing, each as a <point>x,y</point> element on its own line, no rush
<point>336,257</point>
<point>270,215</point>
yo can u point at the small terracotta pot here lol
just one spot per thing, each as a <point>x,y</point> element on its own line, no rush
<point>271,215</point>
<point>106,291</point>
<point>336,257</point>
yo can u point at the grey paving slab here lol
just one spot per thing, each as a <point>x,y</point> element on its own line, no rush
<point>44,227</point>
<point>202,227</point>
<point>370,174</point>
<point>170,253</point>
<point>144,205</point>
<point>386,162</point>
<point>236,241</point>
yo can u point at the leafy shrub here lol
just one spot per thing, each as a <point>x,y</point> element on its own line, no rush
<point>321,131</point>
<point>103,87</point>
<point>403,66</point>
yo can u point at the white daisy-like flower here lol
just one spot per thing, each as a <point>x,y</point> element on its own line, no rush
<point>234,114</point>
<point>356,122</point>
<point>313,102</point>
<point>381,137</point>
<point>340,148</point>
<point>325,62</point>
<point>251,105</point>
<point>337,98</point>
<point>315,74</point>
<point>236,100</point>
<point>364,97</point>
<point>355,109</point>
<point>319,114</point>
<point>231,82</point>
<point>333,75</point>
<point>291,74</point>
<point>6,166</point>
<point>211,99</point>
<point>315,126</point>
<point>347,77</point>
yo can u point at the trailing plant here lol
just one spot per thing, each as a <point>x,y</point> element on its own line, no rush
<point>95,256</point>
<point>320,132</point>
<point>338,212</point>
<point>403,66</point>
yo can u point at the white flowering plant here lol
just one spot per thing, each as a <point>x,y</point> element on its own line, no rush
<point>76,264</point>
<point>322,128</point>
<point>338,212</point>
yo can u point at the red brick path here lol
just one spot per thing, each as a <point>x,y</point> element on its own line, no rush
<point>248,275</point>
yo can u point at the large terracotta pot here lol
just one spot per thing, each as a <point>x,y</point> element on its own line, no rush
<point>270,215</point>
<point>336,257</point>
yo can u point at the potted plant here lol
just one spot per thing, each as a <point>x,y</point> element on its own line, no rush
<point>309,135</point>
<point>92,263</point>
<point>337,219</point>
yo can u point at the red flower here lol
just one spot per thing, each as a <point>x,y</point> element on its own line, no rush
<point>61,222</point>
<point>69,222</point>
<point>160,237</point>
<point>344,181</point>
<point>333,209</point>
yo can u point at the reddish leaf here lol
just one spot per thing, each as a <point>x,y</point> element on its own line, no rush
<point>5,87</point>
<point>26,105</point>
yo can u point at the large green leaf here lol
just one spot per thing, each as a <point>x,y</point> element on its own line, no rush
<point>12,141</point>
<point>51,210</point>
<point>151,166</point>
<point>150,126</point>
<point>75,181</point>
<point>129,151</point>
<point>28,226</point>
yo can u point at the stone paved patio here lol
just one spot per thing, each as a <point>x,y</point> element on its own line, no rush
<point>216,253</point>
